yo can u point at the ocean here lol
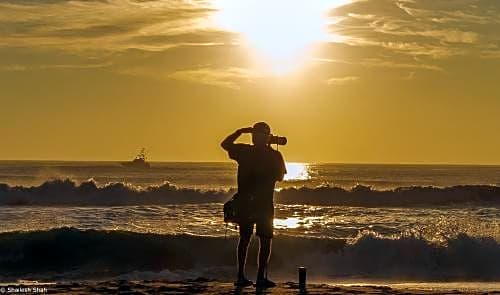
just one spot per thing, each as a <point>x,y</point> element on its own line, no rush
<point>398,223</point>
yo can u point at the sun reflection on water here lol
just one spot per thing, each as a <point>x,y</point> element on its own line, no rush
<point>291,222</point>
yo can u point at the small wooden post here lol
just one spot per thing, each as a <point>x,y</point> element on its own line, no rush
<point>302,278</point>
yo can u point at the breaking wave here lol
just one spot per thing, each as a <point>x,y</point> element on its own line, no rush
<point>68,193</point>
<point>71,253</point>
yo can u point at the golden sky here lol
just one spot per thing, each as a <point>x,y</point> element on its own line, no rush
<point>372,81</point>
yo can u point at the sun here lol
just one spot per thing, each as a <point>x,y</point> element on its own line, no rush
<point>280,33</point>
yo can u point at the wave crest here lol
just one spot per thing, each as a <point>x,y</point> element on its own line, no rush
<point>73,253</point>
<point>68,192</point>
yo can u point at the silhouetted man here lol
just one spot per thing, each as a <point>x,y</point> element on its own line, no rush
<point>259,167</point>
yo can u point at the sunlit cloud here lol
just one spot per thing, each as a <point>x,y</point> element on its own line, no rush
<point>437,29</point>
<point>278,37</point>
<point>232,78</point>
<point>18,67</point>
<point>341,80</point>
<point>381,63</point>
<point>112,25</point>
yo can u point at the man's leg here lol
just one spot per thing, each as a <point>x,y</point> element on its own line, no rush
<point>264,254</point>
<point>265,233</point>
<point>242,255</point>
<point>246,231</point>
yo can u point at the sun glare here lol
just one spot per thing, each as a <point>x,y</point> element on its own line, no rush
<point>281,33</point>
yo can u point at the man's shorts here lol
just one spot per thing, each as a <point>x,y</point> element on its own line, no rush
<point>263,227</point>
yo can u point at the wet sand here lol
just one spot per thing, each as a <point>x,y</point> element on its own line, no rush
<point>205,286</point>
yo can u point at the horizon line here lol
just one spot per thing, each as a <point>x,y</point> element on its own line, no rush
<point>299,162</point>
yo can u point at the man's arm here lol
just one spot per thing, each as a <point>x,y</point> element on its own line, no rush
<point>227,143</point>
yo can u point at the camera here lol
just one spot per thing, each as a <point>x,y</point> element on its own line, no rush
<point>279,140</point>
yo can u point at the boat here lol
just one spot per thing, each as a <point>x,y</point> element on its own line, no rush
<point>139,161</point>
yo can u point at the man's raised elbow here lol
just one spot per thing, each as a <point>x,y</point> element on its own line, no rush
<point>226,145</point>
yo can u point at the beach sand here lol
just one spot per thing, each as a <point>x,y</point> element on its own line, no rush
<point>206,286</point>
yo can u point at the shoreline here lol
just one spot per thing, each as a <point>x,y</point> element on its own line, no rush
<point>209,286</point>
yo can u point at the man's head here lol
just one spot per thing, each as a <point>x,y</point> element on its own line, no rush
<point>261,134</point>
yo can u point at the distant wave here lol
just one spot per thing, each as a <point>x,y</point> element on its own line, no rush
<point>365,196</point>
<point>72,253</point>
<point>68,192</point>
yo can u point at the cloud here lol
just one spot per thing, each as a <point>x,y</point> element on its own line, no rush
<point>112,32</point>
<point>20,67</point>
<point>410,48</point>
<point>397,34</point>
<point>231,78</point>
<point>437,29</point>
<point>45,2</point>
<point>409,76</point>
<point>382,63</point>
<point>113,25</point>
<point>492,53</point>
<point>342,80</point>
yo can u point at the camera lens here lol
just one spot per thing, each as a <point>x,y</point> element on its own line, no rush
<point>279,140</point>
